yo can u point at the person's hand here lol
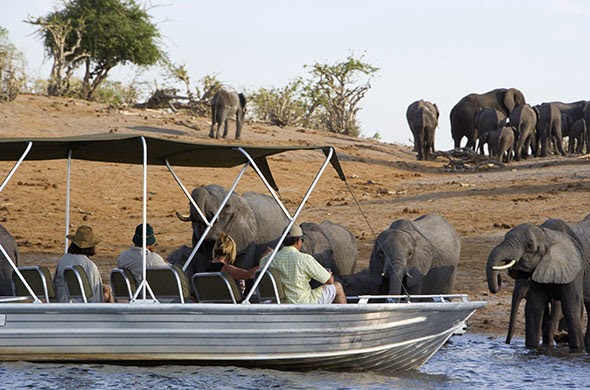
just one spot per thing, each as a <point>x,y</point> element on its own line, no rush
<point>267,252</point>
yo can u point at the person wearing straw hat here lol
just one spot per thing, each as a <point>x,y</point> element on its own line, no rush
<point>82,247</point>
<point>132,258</point>
<point>297,269</point>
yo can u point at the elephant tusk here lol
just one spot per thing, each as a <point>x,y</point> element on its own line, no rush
<point>183,218</point>
<point>505,266</point>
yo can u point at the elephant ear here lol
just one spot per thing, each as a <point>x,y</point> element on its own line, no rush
<point>512,98</point>
<point>559,266</point>
<point>437,110</point>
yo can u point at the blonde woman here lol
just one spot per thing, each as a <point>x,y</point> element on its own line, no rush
<point>224,256</point>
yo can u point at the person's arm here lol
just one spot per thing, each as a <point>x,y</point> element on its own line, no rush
<point>239,273</point>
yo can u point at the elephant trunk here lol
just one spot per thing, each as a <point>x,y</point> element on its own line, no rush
<point>502,257</point>
<point>521,287</point>
<point>395,271</point>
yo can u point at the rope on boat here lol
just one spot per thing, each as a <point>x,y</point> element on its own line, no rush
<point>377,242</point>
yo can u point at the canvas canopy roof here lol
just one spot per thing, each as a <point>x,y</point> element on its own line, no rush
<point>127,149</point>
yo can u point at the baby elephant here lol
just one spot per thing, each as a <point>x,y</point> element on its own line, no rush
<point>223,106</point>
<point>502,142</point>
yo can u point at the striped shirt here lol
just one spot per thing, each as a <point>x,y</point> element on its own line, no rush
<point>296,270</point>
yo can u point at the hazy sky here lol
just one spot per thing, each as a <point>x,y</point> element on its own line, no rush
<point>425,49</point>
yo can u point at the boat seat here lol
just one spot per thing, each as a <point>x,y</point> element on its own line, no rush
<point>77,284</point>
<point>216,287</point>
<point>169,284</point>
<point>123,284</point>
<point>39,279</point>
<point>270,289</point>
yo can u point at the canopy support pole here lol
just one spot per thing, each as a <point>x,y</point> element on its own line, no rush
<point>291,219</point>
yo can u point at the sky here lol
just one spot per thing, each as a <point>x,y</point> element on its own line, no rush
<point>426,49</point>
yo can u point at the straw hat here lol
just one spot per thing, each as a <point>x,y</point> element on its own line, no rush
<point>84,237</point>
<point>295,231</point>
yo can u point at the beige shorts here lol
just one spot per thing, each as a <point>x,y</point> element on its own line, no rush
<point>328,294</point>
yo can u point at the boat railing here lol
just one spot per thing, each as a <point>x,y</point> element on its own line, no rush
<point>363,299</point>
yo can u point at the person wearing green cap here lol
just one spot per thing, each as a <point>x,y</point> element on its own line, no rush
<point>132,258</point>
<point>82,247</point>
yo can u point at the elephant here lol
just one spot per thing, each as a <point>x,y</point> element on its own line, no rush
<point>223,106</point>
<point>554,263</point>
<point>419,256</point>
<point>502,141</point>
<point>586,116</point>
<point>11,248</point>
<point>487,119</point>
<point>330,235</point>
<point>524,121</point>
<point>253,220</point>
<point>422,118</point>
<point>549,125</point>
<point>463,113</point>
<point>256,222</point>
<point>577,136</point>
<point>549,128</point>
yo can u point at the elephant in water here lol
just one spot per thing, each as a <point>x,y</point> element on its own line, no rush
<point>11,249</point>
<point>463,113</point>
<point>555,264</point>
<point>223,106</point>
<point>418,257</point>
<point>256,222</point>
<point>422,118</point>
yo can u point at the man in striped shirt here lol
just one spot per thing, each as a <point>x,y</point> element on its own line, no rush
<point>297,269</point>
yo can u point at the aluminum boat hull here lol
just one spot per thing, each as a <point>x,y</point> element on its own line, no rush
<point>354,337</point>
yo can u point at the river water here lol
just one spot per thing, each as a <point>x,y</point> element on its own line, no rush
<point>468,361</point>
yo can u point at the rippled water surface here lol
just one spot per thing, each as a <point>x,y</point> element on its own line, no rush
<point>465,361</point>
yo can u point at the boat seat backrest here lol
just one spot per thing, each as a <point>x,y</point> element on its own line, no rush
<point>216,287</point>
<point>169,284</point>
<point>270,289</point>
<point>77,283</point>
<point>123,284</point>
<point>39,279</point>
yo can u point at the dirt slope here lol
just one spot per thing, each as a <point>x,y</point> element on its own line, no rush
<point>386,179</point>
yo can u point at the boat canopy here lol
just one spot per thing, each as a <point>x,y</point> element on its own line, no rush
<point>123,148</point>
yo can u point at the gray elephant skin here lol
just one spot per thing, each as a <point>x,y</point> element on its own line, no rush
<point>256,222</point>
<point>487,119</point>
<point>463,113</point>
<point>555,264</point>
<point>549,128</point>
<point>224,106</point>
<point>11,249</point>
<point>419,256</point>
<point>422,118</point>
<point>524,121</point>
<point>578,136</point>
<point>502,143</point>
<point>326,236</point>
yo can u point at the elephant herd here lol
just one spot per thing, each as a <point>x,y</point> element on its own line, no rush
<point>502,120</point>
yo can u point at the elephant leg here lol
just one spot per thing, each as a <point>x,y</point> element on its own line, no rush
<point>553,314</point>
<point>225,128</point>
<point>537,300</point>
<point>571,304</point>
<point>239,124</point>
<point>212,131</point>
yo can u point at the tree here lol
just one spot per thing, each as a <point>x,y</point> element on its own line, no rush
<point>335,91</point>
<point>11,68</point>
<point>98,34</point>
<point>280,106</point>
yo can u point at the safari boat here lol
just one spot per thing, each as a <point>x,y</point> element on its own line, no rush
<point>379,333</point>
